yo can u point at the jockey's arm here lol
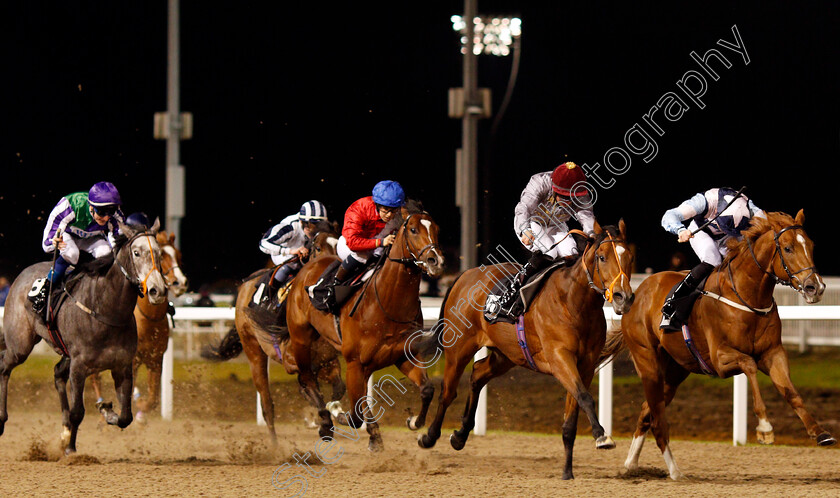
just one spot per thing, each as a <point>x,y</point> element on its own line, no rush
<point>673,219</point>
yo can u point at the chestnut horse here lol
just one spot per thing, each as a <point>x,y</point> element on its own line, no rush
<point>735,328</point>
<point>564,333</point>
<point>259,344</point>
<point>371,333</point>
<point>152,330</point>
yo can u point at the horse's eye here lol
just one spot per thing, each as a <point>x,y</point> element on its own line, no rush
<point>601,258</point>
<point>413,230</point>
<point>136,252</point>
<point>789,249</point>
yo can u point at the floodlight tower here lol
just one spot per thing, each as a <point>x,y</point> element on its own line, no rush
<point>493,35</point>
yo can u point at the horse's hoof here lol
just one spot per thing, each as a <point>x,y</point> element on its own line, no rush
<point>568,476</point>
<point>425,442</point>
<point>765,437</point>
<point>604,443</point>
<point>325,432</point>
<point>65,438</point>
<point>457,442</point>
<point>376,445</point>
<point>334,407</point>
<point>826,439</point>
<point>411,422</point>
<point>141,418</point>
<point>341,419</point>
<point>69,451</point>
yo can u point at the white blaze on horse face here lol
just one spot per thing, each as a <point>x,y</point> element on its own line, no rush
<point>428,225</point>
<point>801,240</point>
<point>180,278</point>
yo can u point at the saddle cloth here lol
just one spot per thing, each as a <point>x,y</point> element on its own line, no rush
<point>326,297</point>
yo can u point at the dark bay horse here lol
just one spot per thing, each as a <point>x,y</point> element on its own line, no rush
<point>735,328</point>
<point>564,328</point>
<point>153,327</point>
<point>96,326</point>
<point>375,336</point>
<point>259,344</point>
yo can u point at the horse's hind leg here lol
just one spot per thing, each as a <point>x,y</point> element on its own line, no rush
<point>775,364</point>
<point>302,351</point>
<point>8,361</point>
<point>61,373</point>
<point>427,392</point>
<point>484,370</point>
<point>673,378</point>
<point>258,362</point>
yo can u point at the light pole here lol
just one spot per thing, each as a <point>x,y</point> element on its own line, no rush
<point>469,103</point>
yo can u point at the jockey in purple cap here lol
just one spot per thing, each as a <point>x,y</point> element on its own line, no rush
<point>80,222</point>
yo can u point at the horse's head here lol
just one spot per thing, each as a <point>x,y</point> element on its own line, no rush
<point>139,258</point>
<point>611,262</point>
<point>170,264</point>
<point>325,239</point>
<point>793,253</point>
<point>417,241</point>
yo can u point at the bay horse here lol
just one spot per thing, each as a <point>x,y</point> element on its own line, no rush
<point>260,344</point>
<point>152,329</point>
<point>564,332</point>
<point>94,329</point>
<point>374,327</point>
<point>735,328</point>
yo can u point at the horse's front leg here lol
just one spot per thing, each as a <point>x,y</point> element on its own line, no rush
<point>61,374</point>
<point>75,396</point>
<point>123,385</point>
<point>361,413</point>
<point>727,359</point>
<point>427,391</point>
<point>775,364</point>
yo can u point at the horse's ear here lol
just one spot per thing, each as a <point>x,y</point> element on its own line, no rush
<point>161,237</point>
<point>171,239</point>
<point>156,226</point>
<point>800,217</point>
<point>596,227</point>
<point>622,229</point>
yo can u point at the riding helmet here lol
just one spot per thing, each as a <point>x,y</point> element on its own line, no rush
<point>138,219</point>
<point>388,193</point>
<point>565,177</point>
<point>104,194</point>
<point>312,211</point>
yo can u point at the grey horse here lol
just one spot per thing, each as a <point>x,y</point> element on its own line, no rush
<point>96,327</point>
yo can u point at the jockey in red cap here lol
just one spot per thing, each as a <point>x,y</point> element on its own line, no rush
<point>549,200</point>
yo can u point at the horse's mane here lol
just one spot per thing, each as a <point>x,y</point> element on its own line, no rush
<point>326,226</point>
<point>758,226</point>
<point>411,206</point>
<point>94,266</point>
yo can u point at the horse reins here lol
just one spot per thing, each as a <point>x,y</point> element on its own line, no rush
<point>141,284</point>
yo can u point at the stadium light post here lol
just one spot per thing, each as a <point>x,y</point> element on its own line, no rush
<point>484,35</point>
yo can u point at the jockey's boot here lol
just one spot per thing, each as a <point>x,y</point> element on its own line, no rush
<point>38,297</point>
<point>672,316</point>
<point>505,302</point>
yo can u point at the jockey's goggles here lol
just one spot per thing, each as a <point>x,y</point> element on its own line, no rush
<point>105,210</point>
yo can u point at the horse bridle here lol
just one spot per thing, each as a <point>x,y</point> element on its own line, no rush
<point>791,275</point>
<point>140,284</point>
<point>408,247</point>
<point>606,292</point>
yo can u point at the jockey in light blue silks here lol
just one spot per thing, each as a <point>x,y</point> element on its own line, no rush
<point>286,242</point>
<point>80,222</point>
<point>728,214</point>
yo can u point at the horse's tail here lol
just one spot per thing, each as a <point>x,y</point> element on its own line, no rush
<point>229,347</point>
<point>429,340</point>
<point>612,347</point>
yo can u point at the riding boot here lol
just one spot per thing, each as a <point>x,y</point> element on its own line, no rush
<point>505,302</point>
<point>38,298</point>
<point>671,314</point>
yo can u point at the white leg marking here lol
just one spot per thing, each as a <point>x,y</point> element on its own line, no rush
<point>632,462</point>
<point>764,425</point>
<point>673,471</point>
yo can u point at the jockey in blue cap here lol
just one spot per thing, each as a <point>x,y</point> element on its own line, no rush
<point>80,222</point>
<point>717,216</point>
<point>286,242</point>
<point>364,221</point>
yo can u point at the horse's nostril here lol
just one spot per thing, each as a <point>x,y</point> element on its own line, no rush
<point>153,292</point>
<point>810,289</point>
<point>432,261</point>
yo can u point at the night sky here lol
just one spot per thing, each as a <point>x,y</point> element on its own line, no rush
<point>293,101</point>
